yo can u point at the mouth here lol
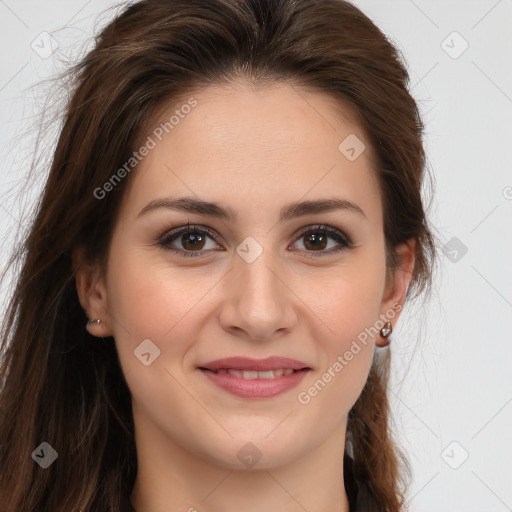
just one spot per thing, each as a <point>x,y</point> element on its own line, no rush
<point>253,374</point>
<point>254,384</point>
<point>247,377</point>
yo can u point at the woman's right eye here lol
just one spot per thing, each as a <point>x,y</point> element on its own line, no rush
<point>192,238</point>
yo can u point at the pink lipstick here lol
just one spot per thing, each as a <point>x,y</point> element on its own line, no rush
<point>255,378</point>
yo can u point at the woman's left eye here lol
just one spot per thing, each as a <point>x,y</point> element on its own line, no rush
<point>194,238</point>
<point>317,238</point>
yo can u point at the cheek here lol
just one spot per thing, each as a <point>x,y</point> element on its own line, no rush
<point>347,298</point>
<point>151,301</point>
<point>145,301</point>
<point>346,357</point>
<point>149,297</point>
<point>348,303</point>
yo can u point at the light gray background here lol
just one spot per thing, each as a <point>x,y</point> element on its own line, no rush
<point>451,389</point>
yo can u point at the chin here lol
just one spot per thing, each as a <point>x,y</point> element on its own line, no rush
<point>256,454</point>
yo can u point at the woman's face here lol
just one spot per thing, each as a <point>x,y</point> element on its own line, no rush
<point>263,282</point>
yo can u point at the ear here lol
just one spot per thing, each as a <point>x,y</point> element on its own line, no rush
<point>92,294</point>
<point>398,280</point>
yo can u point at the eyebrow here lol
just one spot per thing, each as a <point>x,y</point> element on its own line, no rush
<point>212,209</point>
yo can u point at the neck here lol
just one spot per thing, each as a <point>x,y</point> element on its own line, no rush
<point>172,477</point>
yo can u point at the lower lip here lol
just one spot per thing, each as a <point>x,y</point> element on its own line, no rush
<point>255,388</point>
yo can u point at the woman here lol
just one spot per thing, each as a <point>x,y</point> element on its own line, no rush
<point>230,228</point>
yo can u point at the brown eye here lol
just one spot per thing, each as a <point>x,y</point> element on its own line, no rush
<point>192,239</point>
<point>316,240</point>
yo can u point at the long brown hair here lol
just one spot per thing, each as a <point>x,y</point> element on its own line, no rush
<point>58,384</point>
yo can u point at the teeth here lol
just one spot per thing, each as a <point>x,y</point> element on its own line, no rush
<point>245,374</point>
<point>270,374</point>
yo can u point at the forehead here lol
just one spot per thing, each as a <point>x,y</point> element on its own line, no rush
<point>270,143</point>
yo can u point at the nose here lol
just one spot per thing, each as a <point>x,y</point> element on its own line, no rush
<point>259,303</point>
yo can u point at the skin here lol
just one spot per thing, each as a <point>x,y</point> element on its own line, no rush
<point>254,149</point>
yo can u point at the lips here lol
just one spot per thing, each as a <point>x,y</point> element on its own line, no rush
<point>245,364</point>
<point>255,378</point>
<point>252,374</point>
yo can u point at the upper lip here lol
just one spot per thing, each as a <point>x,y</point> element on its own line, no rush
<point>246,363</point>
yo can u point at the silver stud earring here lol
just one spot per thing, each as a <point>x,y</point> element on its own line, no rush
<point>96,321</point>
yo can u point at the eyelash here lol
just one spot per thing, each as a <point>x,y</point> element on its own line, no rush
<point>333,233</point>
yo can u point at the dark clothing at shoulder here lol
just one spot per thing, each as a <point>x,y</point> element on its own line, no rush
<point>359,497</point>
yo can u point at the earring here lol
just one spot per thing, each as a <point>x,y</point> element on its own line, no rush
<point>96,321</point>
<point>385,332</point>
